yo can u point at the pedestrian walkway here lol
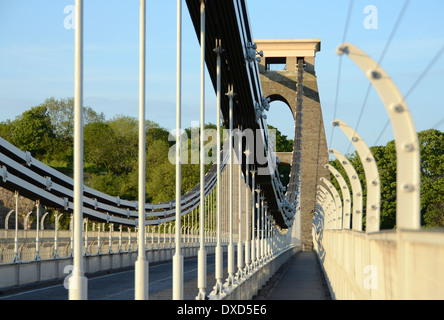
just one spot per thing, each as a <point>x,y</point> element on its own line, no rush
<point>301,279</point>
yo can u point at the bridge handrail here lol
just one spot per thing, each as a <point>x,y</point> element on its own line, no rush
<point>356,188</point>
<point>371,175</point>
<point>345,195</point>
<point>408,179</point>
<point>20,171</point>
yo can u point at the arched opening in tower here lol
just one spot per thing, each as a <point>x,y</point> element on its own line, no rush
<point>280,118</point>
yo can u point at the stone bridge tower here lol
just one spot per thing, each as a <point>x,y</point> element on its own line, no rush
<point>279,78</point>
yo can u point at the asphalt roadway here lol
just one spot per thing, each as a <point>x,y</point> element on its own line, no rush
<point>120,285</point>
<point>299,279</point>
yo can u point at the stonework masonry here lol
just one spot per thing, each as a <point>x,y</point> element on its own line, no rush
<point>281,85</point>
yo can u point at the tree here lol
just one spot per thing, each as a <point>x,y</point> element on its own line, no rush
<point>98,145</point>
<point>61,113</point>
<point>155,132</point>
<point>387,165</point>
<point>160,172</point>
<point>432,177</point>
<point>283,144</point>
<point>6,130</point>
<point>431,144</point>
<point>34,132</point>
<point>125,142</point>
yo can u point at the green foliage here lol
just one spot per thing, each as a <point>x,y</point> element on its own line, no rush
<point>111,157</point>
<point>6,130</point>
<point>47,131</point>
<point>283,144</point>
<point>34,132</point>
<point>432,184</point>
<point>432,177</point>
<point>110,149</point>
<point>98,145</point>
<point>61,113</point>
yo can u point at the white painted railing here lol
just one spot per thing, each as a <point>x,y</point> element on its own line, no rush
<point>405,263</point>
<point>386,265</point>
<point>270,215</point>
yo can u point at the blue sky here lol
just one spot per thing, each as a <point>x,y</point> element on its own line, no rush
<point>37,59</point>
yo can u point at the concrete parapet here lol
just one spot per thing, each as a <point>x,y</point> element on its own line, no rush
<point>385,265</point>
<point>15,275</point>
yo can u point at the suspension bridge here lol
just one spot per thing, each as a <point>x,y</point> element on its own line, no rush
<point>240,226</point>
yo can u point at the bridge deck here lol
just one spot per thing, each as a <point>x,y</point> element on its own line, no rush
<point>300,279</point>
<point>120,285</point>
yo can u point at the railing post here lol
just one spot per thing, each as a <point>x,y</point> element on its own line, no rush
<point>270,234</point>
<point>165,234</point>
<point>120,238</point>
<point>356,189</point>
<point>345,195</point>
<point>42,221</point>
<point>7,218</point>
<point>230,278</point>
<point>110,239</point>
<point>16,236</point>
<point>219,257</point>
<point>152,230</point>
<point>247,218</point>
<point>99,239</point>
<point>337,201</point>
<point>371,176</point>
<point>170,240</point>
<point>240,249</point>
<point>25,222</point>
<point>263,222</point>
<point>258,227</point>
<point>408,175</point>
<point>71,228</point>
<point>130,239</point>
<point>406,138</point>
<point>189,229</point>
<point>158,236</point>
<point>266,233</point>
<point>56,234</point>
<point>85,223</point>
<point>257,224</point>
<point>186,234</point>
<point>270,237</point>
<point>320,199</point>
<point>37,231</point>
<point>325,206</point>
<point>253,217</point>
<point>202,255</point>
<point>328,206</point>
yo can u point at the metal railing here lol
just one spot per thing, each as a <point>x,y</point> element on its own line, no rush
<point>270,216</point>
<point>374,264</point>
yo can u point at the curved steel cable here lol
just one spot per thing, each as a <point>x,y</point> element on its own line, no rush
<point>338,80</point>
<point>384,52</point>
<point>413,87</point>
<point>19,171</point>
